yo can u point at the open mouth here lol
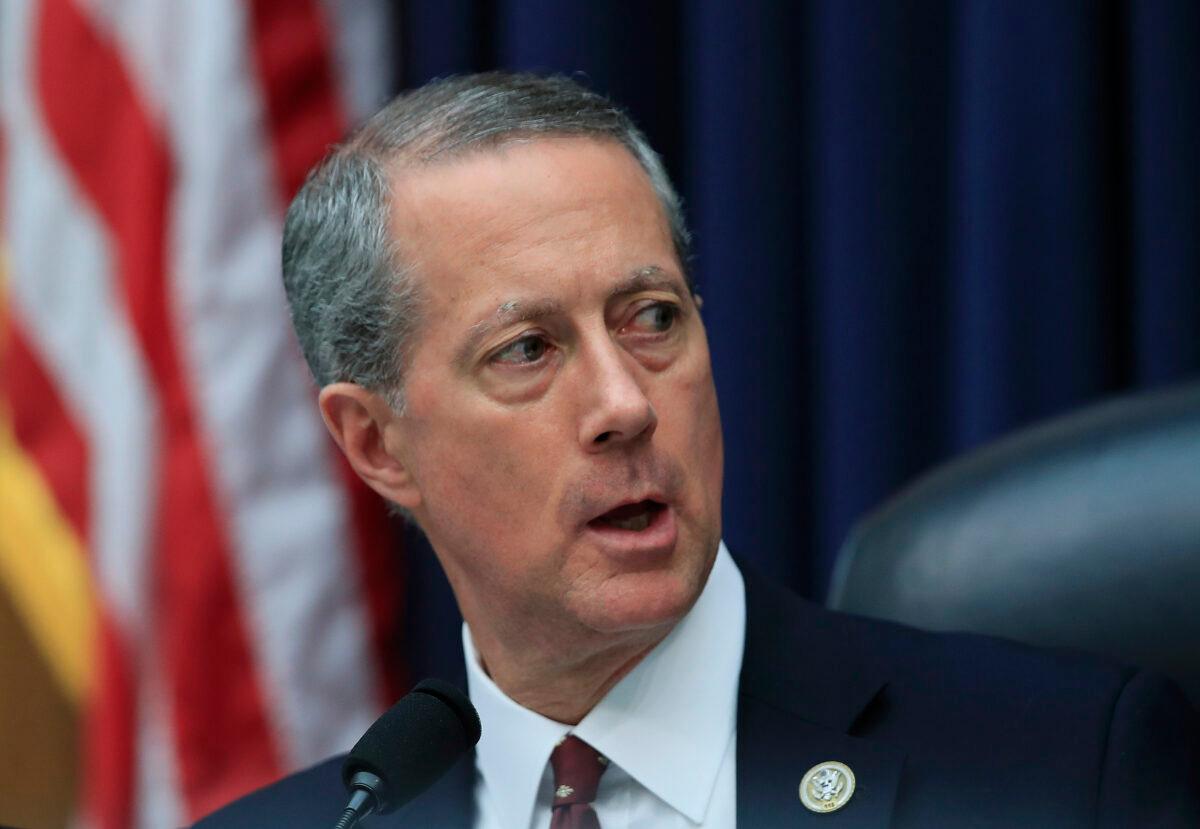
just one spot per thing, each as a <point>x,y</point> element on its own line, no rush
<point>631,517</point>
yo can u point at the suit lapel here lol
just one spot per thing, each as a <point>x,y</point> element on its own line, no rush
<point>775,749</point>
<point>804,684</point>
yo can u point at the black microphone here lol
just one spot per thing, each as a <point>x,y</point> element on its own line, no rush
<point>414,743</point>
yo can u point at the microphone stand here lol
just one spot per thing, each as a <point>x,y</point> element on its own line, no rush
<point>363,799</point>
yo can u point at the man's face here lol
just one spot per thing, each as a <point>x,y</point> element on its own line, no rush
<point>561,424</point>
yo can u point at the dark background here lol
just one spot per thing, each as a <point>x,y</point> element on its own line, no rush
<point>918,225</point>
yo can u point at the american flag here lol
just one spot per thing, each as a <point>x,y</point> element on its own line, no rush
<point>205,583</point>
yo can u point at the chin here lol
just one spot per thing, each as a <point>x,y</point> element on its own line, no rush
<point>642,601</point>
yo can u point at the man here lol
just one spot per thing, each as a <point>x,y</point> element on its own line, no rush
<point>490,284</point>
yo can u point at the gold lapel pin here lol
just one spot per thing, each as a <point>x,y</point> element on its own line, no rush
<point>827,787</point>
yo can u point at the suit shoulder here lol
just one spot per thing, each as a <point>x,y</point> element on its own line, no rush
<point>944,668</point>
<point>312,797</point>
<point>976,715</point>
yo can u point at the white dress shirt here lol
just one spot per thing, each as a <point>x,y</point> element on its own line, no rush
<point>668,729</point>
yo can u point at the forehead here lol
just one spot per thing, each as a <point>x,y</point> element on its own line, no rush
<point>537,216</point>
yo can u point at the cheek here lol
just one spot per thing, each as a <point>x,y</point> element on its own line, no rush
<point>484,477</point>
<point>467,473</point>
<point>699,407</point>
<point>697,397</point>
<point>711,443</point>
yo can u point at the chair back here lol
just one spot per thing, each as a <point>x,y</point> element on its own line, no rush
<point>1081,532</point>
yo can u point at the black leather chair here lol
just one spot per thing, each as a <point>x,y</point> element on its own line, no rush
<point>1082,532</point>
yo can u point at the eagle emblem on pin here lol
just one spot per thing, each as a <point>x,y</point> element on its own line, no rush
<point>827,787</point>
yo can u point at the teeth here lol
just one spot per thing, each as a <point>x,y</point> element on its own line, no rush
<point>637,523</point>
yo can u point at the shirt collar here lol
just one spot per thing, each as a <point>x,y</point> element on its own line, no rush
<point>666,724</point>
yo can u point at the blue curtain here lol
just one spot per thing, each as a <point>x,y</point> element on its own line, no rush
<point>919,225</point>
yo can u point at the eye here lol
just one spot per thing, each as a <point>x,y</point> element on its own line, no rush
<point>656,318</point>
<point>526,350</point>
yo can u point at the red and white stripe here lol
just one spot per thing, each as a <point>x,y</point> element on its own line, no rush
<point>151,150</point>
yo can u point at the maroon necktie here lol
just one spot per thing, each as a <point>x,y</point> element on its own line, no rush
<point>577,770</point>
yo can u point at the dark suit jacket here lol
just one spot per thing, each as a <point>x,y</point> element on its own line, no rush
<point>939,730</point>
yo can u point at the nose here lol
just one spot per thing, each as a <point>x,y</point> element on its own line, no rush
<point>618,411</point>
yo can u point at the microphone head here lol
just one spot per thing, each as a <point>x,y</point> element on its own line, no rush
<point>414,743</point>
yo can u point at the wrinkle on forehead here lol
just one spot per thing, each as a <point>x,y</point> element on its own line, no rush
<point>647,278</point>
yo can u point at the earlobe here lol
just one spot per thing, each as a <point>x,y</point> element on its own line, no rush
<point>370,435</point>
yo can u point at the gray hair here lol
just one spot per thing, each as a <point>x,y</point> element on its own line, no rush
<point>354,302</point>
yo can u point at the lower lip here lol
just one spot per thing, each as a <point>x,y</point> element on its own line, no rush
<point>657,539</point>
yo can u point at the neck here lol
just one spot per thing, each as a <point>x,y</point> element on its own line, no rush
<point>557,687</point>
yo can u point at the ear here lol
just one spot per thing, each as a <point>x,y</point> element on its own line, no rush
<point>370,434</point>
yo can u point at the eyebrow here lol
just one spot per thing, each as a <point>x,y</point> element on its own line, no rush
<point>514,311</point>
<point>508,313</point>
<point>650,278</point>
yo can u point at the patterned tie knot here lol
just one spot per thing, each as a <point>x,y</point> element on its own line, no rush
<point>577,770</point>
